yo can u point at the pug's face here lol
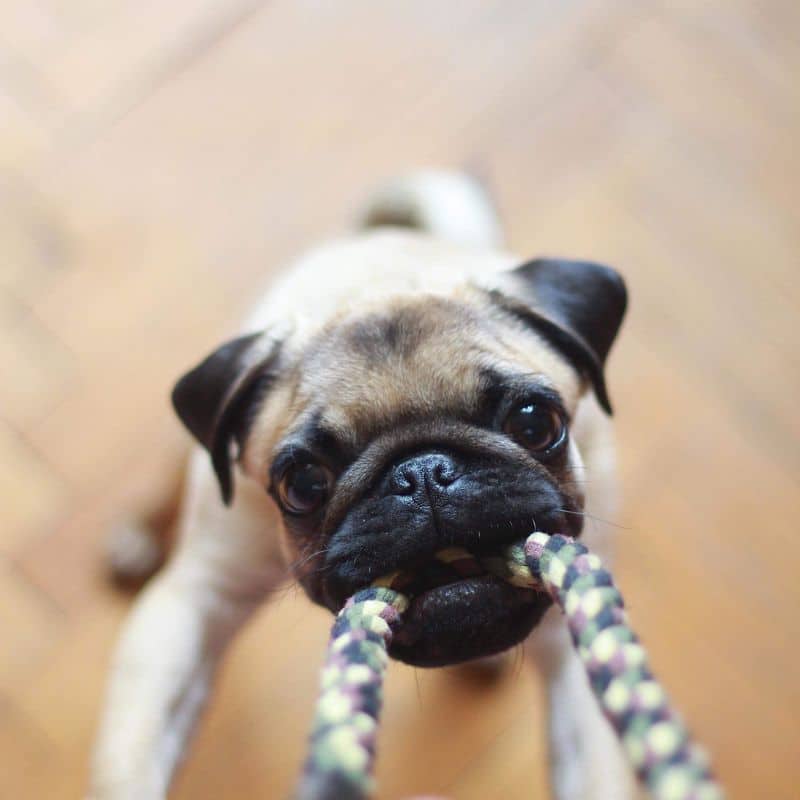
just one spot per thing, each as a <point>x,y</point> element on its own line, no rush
<point>424,423</point>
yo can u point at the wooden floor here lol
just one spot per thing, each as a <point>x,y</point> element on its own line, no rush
<point>160,161</point>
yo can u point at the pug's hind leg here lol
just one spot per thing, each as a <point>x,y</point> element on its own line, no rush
<point>137,545</point>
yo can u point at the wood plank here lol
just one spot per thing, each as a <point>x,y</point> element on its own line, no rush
<point>37,495</point>
<point>32,623</point>
<point>157,167</point>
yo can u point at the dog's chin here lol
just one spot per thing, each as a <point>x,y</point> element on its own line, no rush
<point>467,619</point>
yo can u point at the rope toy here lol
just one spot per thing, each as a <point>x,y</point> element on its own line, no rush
<point>655,740</point>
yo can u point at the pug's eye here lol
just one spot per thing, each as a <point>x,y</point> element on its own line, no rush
<point>304,488</point>
<point>538,427</point>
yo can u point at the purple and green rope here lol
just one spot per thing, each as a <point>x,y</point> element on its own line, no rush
<point>655,740</point>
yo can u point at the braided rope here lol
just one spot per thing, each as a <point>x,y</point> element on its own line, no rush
<point>655,740</point>
<point>342,745</point>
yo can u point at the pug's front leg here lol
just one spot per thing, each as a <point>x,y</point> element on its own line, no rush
<point>586,761</point>
<point>174,638</point>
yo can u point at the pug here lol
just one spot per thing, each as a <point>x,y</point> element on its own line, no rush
<point>408,388</point>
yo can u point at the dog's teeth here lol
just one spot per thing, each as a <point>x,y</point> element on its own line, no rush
<point>450,564</point>
<point>461,561</point>
<point>386,580</point>
<point>450,554</point>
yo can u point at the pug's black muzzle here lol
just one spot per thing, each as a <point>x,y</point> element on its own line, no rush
<point>435,500</point>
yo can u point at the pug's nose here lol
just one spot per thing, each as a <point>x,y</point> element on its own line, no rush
<point>422,473</point>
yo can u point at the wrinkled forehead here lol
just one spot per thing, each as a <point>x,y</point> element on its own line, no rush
<point>417,359</point>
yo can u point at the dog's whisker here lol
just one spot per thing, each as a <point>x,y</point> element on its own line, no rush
<point>305,559</point>
<point>593,518</point>
<point>519,659</point>
<point>280,592</point>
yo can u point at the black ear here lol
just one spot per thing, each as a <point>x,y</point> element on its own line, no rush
<point>577,305</point>
<point>212,399</point>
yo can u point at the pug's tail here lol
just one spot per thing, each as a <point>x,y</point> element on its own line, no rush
<point>137,545</point>
<point>450,205</point>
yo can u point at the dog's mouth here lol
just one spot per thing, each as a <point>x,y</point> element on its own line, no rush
<point>458,611</point>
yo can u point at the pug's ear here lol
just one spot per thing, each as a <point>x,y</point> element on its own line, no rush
<point>576,305</point>
<point>213,399</point>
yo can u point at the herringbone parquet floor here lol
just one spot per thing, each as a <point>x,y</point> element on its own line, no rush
<point>159,161</point>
